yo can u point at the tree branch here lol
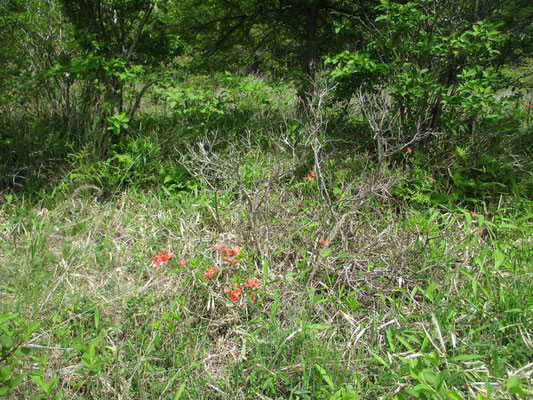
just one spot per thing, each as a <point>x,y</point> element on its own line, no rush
<point>139,30</point>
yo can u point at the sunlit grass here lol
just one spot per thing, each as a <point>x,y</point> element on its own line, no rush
<point>408,303</point>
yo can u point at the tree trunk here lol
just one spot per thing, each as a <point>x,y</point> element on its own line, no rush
<point>310,54</point>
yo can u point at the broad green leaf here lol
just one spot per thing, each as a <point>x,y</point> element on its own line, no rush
<point>180,391</point>
<point>514,386</point>
<point>499,257</point>
<point>423,388</point>
<point>6,341</point>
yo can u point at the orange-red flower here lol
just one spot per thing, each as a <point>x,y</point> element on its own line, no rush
<point>235,250</point>
<point>181,263</point>
<point>308,178</point>
<point>409,149</point>
<point>252,283</point>
<point>235,293</point>
<point>161,258</point>
<point>323,242</point>
<point>312,174</point>
<point>210,273</point>
<point>254,297</point>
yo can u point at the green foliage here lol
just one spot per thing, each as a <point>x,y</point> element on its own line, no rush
<point>421,75</point>
<point>228,104</point>
<point>118,122</point>
<point>514,386</point>
<point>137,161</point>
<point>399,278</point>
<point>13,334</point>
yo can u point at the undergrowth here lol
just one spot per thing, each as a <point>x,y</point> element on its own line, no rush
<point>355,297</point>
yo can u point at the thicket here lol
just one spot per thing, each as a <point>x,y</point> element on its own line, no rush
<point>370,162</point>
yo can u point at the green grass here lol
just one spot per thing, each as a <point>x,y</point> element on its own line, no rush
<point>401,303</point>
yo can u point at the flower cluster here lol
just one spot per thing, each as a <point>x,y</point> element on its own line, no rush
<point>210,273</point>
<point>310,176</point>
<point>252,284</point>
<point>235,293</point>
<point>162,258</point>
<point>228,252</point>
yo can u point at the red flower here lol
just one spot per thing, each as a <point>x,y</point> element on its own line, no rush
<point>254,297</point>
<point>308,178</point>
<point>235,293</point>
<point>409,149</point>
<point>323,242</point>
<point>252,283</point>
<point>471,213</point>
<point>210,273</point>
<point>235,250</point>
<point>312,174</point>
<point>221,247</point>
<point>300,204</point>
<point>181,263</point>
<point>162,258</point>
<point>234,261</point>
<point>227,259</point>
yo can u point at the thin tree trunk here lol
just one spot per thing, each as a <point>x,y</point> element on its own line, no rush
<point>310,54</point>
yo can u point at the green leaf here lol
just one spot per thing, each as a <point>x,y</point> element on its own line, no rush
<point>467,357</point>
<point>454,396</point>
<point>6,341</point>
<point>318,326</point>
<point>325,376</point>
<point>381,360</point>
<point>179,393</point>
<point>514,386</point>
<point>40,382</point>
<point>7,317</point>
<point>30,329</point>
<point>423,388</point>
<point>499,257</point>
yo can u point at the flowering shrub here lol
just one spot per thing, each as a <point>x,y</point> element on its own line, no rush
<point>228,253</point>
